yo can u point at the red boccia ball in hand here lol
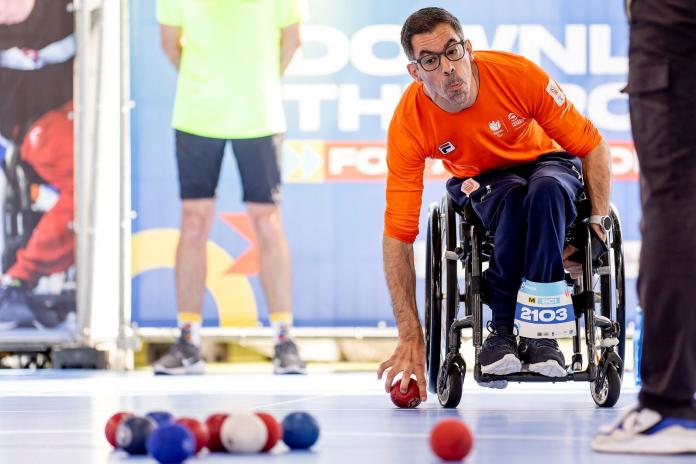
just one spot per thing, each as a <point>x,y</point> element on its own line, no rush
<point>410,399</point>
<point>451,440</point>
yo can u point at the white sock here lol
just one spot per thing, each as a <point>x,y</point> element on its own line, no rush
<point>190,326</point>
<point>281,322</point>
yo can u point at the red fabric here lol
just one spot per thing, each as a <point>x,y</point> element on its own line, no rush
<point>48,148</point>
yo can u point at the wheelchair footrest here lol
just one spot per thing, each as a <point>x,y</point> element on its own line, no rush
<point>527,376</point>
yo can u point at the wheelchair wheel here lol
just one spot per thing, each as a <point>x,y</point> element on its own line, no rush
<point>449,387</point>
<point>433,302</point>
<point>607,388</point>
<point>450,297</point>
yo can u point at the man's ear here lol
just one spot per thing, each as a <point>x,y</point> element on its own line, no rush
<point>413,71</point>
<point>469,48</point>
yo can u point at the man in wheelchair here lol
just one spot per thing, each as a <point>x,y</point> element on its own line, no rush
<point>519,152</point>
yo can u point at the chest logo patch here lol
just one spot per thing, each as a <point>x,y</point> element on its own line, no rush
<point>446,148</point>
<point>496,127</point>
<point>515,120</point>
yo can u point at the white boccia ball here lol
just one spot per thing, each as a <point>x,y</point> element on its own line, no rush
<point>243,433</point>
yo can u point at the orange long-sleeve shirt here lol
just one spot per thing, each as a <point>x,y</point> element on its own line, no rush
<point>520,113</point>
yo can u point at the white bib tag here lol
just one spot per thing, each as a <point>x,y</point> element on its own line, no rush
<point>544,310</point>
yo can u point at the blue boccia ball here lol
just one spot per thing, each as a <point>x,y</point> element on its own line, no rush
<point>300,430</point>
<point>132,433</point>
<point>160,417</point>
<point>171,443</point>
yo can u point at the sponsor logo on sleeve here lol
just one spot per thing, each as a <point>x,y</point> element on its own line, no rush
<point>555,92</point>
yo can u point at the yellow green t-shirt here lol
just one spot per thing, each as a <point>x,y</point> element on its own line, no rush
<point>229,75</point>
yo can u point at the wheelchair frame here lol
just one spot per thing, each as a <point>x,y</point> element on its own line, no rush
<point>445,367</point>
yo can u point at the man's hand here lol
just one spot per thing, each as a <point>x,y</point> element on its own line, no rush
<point>409,358</point>
<point>600,232</point>
<point>574,268</point>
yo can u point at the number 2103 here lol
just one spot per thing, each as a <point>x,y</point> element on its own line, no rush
<point>544,315</point>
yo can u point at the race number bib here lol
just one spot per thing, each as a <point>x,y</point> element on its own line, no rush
<point>544,310</point>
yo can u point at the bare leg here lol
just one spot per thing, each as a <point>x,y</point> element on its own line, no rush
<point>196,221</point>
<point>275,271</point>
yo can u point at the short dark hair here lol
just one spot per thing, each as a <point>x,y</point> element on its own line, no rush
<point>426,20</point>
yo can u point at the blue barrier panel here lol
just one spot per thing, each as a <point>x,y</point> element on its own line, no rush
<point>339,96</point>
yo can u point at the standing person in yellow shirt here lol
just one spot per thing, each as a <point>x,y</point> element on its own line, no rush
<point>230,56</point>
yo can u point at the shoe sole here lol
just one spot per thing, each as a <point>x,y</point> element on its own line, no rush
<point>192,369</point>
<point>548,368</point>
<point>495,384</point>
<point>508,364</point>
<point>288,370</point>
<point>8,326</point>
<point>672,440</point>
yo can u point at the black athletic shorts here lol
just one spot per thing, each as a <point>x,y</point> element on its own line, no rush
<point>199,160</point>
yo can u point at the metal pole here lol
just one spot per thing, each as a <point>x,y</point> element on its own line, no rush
<point>80,160</point>
<point>126,342</point>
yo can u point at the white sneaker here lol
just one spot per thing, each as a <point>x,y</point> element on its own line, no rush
<point>644,431</point>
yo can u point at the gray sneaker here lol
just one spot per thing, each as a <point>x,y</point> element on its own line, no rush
<point>183,358</point>
<point>286,359</point>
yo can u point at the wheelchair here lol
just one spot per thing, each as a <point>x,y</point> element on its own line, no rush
<point>457,246</point>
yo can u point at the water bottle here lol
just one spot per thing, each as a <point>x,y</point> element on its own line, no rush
<point>638,344</point>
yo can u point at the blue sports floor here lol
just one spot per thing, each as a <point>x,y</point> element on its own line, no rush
<point>58,417</point>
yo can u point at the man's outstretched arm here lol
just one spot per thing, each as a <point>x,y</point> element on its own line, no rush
<point>409,355</point>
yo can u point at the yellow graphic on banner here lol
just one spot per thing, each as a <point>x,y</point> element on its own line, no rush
<point>232,293</point>
<point>304,161</point>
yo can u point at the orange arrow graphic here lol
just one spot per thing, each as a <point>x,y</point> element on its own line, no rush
<point>247,263</point>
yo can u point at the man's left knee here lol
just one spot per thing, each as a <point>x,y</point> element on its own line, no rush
<point>544,192</point>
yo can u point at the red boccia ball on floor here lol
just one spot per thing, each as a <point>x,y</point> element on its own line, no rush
<point>198,429</point>
<point>451,440</point>
<point>214,423</point>
<point>275,430</point>
<point>112,425</point>
<point>410,399</point>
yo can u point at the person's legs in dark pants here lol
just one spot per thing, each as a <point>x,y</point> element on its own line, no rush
<point>668,255</point>
<point>550,208</point>
<point>506,267</point>
<point>662,102</point>
<point>498,202</point>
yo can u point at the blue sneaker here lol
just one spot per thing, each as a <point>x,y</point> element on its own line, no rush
<point>644,431</point>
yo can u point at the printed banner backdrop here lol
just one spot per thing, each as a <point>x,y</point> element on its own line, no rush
<point>37,50</point>
<point>339,97</point>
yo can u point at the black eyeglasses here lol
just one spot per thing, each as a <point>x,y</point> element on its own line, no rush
<point>431,62</point>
